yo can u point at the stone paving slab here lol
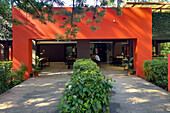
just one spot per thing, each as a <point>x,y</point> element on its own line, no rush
<point>135,95</point>
<point>35,95</point>
<point>41,95</point>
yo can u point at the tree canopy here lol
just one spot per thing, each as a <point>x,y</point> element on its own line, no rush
<point>5,20</point>
<point>43,11</point>
<point>160,25</point>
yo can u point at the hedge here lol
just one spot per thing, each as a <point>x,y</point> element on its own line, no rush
<point>87,90</point>
<point>156,71</point>
<point>9,78</point>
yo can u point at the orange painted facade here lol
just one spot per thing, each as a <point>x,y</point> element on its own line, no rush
<point>169,72</point>
<point>135,23</point>
<point>10,53</point>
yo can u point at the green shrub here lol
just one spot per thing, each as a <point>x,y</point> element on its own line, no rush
<point>156,71</point>
<point>17,76</point>
<point>5,71</point>
<point>84,66</point>
<point>4,63</point>
<point>35,66</point>
<point>9,78</point>
<point>87,91</point>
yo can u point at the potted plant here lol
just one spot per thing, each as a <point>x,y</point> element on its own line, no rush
<point>35,66</point>
<point>131,72</point>
<point>128,63</point>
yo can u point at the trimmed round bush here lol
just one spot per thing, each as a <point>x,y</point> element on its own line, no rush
<point>87,91</point>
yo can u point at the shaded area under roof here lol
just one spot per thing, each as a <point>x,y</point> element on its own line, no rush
<point>156,7</point>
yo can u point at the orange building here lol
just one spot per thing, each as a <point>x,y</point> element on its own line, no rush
<point>135,25</point>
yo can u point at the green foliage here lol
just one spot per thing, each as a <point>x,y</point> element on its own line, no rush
<point>94,28</point>
<point>5,71</point>
<point>5,14</point>
<point>128,62</point>
<point>3,63</point>
<point>156,71</point>
<point>36,65</point>
<point>9,78</point>
<point>165,49</point>
<point>160,25</point>
<point>87,91</point>
<point>44,12</point>
<point>131,71</point>
<point>19,74</point>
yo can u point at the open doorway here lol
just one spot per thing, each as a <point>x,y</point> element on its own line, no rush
<point>111,53</point>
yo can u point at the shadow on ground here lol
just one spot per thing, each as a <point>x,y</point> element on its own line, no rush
<point>42,94</point>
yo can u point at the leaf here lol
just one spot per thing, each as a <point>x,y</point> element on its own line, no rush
<point>86,104</point>
<point>74,96</point>
<point>85,89</point>
<point>62,100</point>
<point>99,104</point>
<point>59,105</point>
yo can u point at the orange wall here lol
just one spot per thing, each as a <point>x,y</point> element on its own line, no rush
<point>169,72</point>
<point>135,23</point>
<point>10,53</point>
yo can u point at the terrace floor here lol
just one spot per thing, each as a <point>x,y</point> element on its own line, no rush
<point>41,94</point>
<point>61,68</point>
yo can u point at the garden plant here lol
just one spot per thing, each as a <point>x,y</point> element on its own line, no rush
<point>35,66</point>
<point>87,91</point>
<point>156,71</point>
<point>9,78</point>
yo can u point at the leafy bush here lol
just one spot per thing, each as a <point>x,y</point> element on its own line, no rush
<point>87,90</point>
<point>17,76</point>
<point>4,63</point>
<point>156,71</point>
<point>165,49</point>
<point>9,78</point>
<point>5,71</point>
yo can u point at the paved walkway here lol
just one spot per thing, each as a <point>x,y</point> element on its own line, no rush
<point>41,95</point>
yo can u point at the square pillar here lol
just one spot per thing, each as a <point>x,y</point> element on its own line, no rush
<point>168,72</point>
<point>83,48</point>
<point>135,54</point>
<point>10,53</point>
<point>131,51</point>
<point>22,53</point>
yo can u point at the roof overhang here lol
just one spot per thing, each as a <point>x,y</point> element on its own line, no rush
<point>156,7</point>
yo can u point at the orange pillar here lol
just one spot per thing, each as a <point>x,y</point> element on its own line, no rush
<point>169,72</point>
<point>30,56</point>
<point>23,53</point>
<point>135,54</point>
<point>10,54</point>
<point>144,52</point>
